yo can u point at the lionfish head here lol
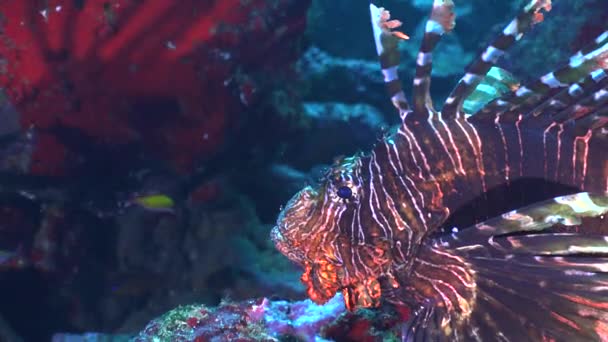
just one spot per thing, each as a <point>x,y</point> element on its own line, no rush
<point>302,233</point>
<point>314,212</point>
<point>295,222</point>
<point>309,233</point>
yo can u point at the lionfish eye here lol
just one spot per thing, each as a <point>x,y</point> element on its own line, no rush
<point>345,192</point>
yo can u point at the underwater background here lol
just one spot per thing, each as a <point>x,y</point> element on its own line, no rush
<point>146,149</point>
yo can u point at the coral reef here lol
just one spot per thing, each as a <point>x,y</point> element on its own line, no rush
<point>268,320</point>
<point>108,91</point>
<point>116,274</point>
<point>50,242</point>
<point>131,72</point>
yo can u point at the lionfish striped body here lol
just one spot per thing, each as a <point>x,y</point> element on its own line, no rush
<point>517,277</point>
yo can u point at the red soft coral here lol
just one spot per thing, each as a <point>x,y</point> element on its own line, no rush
<point>140,71</point>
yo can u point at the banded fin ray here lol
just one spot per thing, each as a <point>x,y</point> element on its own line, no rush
<point>537,287</point>
<point>557,244</point>
<point>495,84</point>
<point>388,55</point>
<point>546,99</point>
<point>474,73</point>
<point>519,298</point>
<point>441,21</point>
<point>566,210</point>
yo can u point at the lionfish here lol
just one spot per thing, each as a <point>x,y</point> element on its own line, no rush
<point>369,229</point>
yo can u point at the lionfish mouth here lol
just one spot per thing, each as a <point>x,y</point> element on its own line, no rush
<point>292,219</point>
<point>285,247</point>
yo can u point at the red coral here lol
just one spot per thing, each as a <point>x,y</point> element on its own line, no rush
<point>152,72</point>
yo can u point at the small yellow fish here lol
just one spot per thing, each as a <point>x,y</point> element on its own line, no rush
<point>156,202</point>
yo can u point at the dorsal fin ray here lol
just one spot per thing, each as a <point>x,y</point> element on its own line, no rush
<point>592,104</point>
<point>596,125</point>
<point>441,20</point>
<point>590,118</point>
<point>595,82</point>
<point>386,41</point>
<point>554,91</point>
<point>541,108</point>
<point>475,72</point>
